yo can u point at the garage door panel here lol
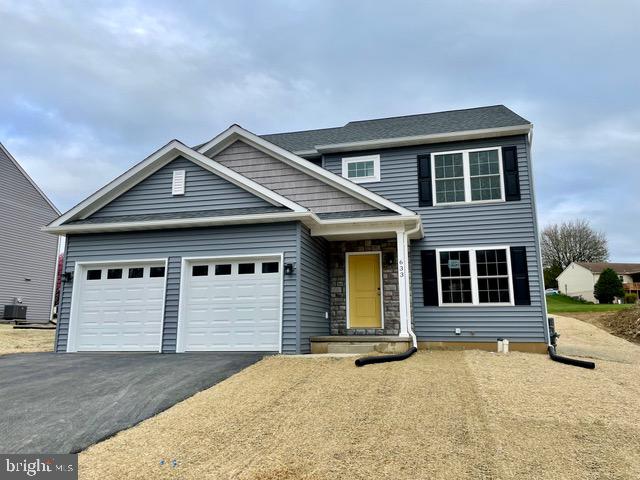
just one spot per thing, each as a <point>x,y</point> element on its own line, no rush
<point>243,311</point>
<point>119,314</point>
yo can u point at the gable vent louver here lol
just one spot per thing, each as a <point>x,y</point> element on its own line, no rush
<point>177,186</point>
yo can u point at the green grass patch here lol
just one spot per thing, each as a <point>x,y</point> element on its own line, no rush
<point>562,303</point>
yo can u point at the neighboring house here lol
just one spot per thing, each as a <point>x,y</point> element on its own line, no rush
<point>579,278</point>
<point>297,242</point>
<point>27,254</point>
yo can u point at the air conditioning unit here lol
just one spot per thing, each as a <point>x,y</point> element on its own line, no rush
<point>15,312</point>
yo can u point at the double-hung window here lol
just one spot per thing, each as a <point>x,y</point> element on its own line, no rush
<point>361,169</point>
<point>468,176</point>
<point>475,276</point>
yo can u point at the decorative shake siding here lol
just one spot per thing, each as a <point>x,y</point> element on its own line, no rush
<point>287,181</point>
<point>314,287</point>
<point>391,303</point>
<point>27,254</point>
<point>175,244</point>
<point>203,191</point>
<point>509,223</point>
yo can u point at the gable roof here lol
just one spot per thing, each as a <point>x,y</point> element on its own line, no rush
<point>153,163</point>
<point>619,268</point>
<point>236,132</point>
<point>8,155</point>
<point>423,128</point>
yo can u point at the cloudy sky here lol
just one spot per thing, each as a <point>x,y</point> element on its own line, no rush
<point>87,89</point>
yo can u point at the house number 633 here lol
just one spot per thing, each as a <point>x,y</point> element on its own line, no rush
<point>401,268</point>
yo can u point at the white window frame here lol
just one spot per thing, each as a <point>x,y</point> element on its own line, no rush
<point>346,161</point>
<point>467,176</point>
<point>473,267</point>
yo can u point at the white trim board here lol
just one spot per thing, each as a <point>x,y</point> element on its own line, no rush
<point>421,139</point>
<point>183,272</point>
<point>80,267</point>
<point>153,163</point>
<point>236,132</point>
<point>318,226</point>
<point>346,282</point>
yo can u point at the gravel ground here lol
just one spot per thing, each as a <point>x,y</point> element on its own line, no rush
<point>437,415</point>
<point>25,340</point>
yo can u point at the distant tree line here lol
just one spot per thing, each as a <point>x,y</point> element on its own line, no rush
<point>573,241</point>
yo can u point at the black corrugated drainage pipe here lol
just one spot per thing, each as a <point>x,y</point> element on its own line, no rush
<point>559,358</point>
<point>396,357</point>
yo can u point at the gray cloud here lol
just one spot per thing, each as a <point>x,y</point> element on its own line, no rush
<point>86,91</point>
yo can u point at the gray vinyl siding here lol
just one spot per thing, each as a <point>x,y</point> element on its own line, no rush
<point>509,223</point>
<point>287,181</point>
<point>25,251</point>
<point>175,244</point>
<point>314,288</point>
<point>203,191</point>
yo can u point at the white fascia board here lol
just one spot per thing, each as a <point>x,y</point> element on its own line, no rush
<point>156,161</point>
<point>235,132</point>
<point>175,223</point>
<point>423,139</point>
<point>310,219</point>
<point>29,179</point>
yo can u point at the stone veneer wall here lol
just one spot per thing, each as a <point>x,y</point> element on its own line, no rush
<point>337,267</point>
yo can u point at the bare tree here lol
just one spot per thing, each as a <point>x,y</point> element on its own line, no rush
<point>573,241</point>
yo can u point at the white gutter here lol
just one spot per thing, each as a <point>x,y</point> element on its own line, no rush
<point>308,218</point>
<point>418,139</point>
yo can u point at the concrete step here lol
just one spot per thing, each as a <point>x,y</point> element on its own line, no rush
<point>343,347</point>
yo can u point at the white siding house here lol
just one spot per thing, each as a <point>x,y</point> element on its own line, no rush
<point>579,278</point>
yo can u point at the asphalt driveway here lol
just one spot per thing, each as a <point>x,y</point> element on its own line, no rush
<point>62,403</point>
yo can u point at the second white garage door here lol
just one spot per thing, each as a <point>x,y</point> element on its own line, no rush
<point>231,305</point>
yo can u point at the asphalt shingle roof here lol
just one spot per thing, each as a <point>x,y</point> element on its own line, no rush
<point>396,127</point>
<point>619,268</point>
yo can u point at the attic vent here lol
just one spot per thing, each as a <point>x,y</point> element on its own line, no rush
<point>177,186</point>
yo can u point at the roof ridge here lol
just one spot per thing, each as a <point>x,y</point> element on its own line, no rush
<point>303,131</point>
<point>433,113</point>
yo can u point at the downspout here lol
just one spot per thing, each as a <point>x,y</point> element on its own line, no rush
<point>551,348</point>
<point>360,362</point>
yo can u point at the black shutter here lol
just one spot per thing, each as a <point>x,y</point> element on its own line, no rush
<point>424,180</point>
<point>510,172</point>
<point>520,276</point>
<point>429,278</point>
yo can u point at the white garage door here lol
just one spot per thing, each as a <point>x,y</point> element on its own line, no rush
<point>119,307</point>
<point>231,305</point>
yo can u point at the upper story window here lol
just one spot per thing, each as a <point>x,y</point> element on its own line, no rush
<point>361,169</point>
<point>469,176</point>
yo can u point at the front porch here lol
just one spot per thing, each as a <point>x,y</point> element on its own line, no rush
<point>366,295</point>
<point>341,315</point>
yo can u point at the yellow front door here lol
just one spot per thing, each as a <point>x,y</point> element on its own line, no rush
<point>364,291</point>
